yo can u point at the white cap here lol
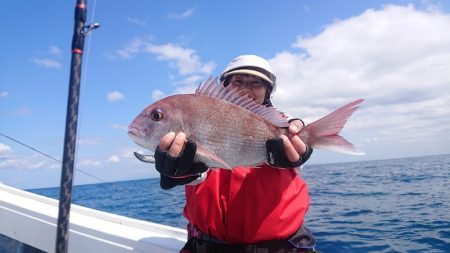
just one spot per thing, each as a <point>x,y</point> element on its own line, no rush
<point>250,64</point>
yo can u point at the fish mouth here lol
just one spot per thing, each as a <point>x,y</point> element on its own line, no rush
<point>135,132</point>
<point>132,134</point>
<point>141,139</point>
<point>138,138</point>
<point>135,136</point>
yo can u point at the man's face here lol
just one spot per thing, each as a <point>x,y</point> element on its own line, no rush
<point>250,85</point>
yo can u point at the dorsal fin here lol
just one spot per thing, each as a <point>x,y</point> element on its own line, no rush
<point>212,88</point>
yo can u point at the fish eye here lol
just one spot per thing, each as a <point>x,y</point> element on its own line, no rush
<point>156,115</point>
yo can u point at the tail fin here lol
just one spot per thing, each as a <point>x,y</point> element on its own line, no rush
<point>324,133</point>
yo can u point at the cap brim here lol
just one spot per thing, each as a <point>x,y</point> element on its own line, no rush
<point>249,72</point>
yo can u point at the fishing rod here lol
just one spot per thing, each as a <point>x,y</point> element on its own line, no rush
<point>65,193</point>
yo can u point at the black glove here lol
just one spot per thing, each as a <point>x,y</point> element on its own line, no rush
<point>277,157</point>
<point>180,170</point>
<point>167,183</point>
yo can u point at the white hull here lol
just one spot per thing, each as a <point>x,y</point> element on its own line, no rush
<point>31,219</point>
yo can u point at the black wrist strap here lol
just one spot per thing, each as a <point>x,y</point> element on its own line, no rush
<point>167,183</point>
<point>277,157</point>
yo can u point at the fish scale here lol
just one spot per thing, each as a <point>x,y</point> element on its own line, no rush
<point>225,137</point>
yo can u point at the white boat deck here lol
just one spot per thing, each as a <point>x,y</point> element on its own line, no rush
<point>31,219</point>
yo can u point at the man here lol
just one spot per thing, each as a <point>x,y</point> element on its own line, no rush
<point>245,209</point>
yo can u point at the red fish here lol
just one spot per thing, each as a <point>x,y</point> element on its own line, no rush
<point>231,129</point>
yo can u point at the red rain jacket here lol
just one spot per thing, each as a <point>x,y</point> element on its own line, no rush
<point>248,205</point>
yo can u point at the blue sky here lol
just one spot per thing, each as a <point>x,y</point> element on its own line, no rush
<point>394,54</point>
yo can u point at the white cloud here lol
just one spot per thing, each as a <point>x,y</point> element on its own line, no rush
<point>431,6</point>
<point>4,148</point>
<point>114,159</point>
<point>91,141</point>
<point>187,88</point>
<point>397,58</point>
<point>88,162</point>
<point>127,152</point>
<point>55,51</point>
<point>186,14</point>
<point>132,48</point>
<point>114,96</point>
<point>4,94</point>
<point>11,161</point>
<point>46,62</point>
<point>157,94</point>
<point>136,21</point>
<point>185,60</point>
<point>120,127</point>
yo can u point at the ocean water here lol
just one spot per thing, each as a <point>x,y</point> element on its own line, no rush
<point>398,205</point>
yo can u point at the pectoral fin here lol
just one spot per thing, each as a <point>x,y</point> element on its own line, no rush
<point>211,156</point>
